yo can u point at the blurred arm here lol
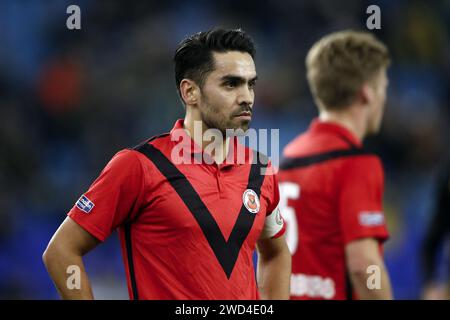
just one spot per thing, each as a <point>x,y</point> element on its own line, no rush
<point>274,268</point>
<point>360,254</point>
<point>67,246</point>
<point>434,237</point>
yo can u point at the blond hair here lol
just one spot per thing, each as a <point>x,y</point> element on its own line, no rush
<point>340,63</point>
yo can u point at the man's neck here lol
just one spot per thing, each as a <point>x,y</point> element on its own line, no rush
<point>350,120</point>
<point>197,133</point>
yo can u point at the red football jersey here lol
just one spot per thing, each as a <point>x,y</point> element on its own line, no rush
<point>331,194</point>
<point>187,230</point>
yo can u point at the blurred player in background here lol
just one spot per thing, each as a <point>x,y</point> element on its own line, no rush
<point>331,188</point>
<point>188,229</point>
<point>436,239</point>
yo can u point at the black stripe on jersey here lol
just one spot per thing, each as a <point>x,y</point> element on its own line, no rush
<point>127,230</point>
<point>148,140</point>
<point>226,252</point>
<point>292,163</point>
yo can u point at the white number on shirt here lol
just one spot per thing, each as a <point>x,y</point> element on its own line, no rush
<point>289,190</point>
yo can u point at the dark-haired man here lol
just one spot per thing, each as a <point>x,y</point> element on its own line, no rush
<point>331,188</point>
<point>188,221</point>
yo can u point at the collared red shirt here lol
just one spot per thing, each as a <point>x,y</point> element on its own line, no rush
<point>188,230</point>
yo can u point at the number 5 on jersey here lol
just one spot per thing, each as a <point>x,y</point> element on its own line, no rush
<point>290,191</point>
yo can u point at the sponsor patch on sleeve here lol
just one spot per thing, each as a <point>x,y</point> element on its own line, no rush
<point>84,204</point>
<point>371,218</point>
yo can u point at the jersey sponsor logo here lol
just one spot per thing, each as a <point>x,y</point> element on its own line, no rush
<point>84,204</point>
<point>312,286</point>
<point>251,201</point>
<point>371,218</point>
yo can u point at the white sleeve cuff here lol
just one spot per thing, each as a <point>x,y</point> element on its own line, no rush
<point>274,225</point>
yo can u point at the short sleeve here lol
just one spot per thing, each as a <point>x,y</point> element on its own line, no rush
<point>361,199</point>
<point>112,198</point>
<point>274,226</point>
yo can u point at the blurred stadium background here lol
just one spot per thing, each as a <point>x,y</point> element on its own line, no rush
<point>70,99</point>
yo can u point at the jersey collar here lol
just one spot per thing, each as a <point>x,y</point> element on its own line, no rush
<point>180,137</point>
<point>337,129</point>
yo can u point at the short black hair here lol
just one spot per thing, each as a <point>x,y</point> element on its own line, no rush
<point>194,55</point>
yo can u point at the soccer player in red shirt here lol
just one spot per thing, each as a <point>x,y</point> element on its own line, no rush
<point>331,188</point>
<point>188,228</point>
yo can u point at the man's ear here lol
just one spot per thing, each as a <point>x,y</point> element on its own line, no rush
<point>366,93</point>
<point>189,91</point>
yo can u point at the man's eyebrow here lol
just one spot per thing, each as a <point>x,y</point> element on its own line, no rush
<point>238,79</point>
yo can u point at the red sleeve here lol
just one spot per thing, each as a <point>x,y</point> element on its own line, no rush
<point>275,194</point>
<point>113,198</point>
<point>361,199</point>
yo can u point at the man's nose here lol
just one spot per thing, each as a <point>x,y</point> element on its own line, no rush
<point>245,96</point>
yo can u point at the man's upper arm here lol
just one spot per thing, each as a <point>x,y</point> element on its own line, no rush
<point>71,237</point>
<point>361,253</point>
<point>270,247</point>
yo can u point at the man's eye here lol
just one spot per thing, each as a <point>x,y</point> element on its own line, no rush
<point>252,84</point>
<point>230,84</point>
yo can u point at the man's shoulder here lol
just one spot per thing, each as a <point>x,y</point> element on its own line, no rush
<point>131,157</point>
<point>364,165</point>
<point>307,150</point>
<point>160,139</point>
<point>312,143</point>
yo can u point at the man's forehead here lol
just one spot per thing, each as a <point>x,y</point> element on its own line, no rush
<point>234,62</point>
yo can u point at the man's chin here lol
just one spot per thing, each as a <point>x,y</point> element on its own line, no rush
<point>238,128</point>
<point>243,126</point>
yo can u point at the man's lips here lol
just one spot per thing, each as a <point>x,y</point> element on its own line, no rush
<point>244,114</point>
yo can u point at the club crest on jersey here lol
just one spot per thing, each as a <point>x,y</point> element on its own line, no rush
<point>278,217</point>
<point>84,204</point>
<point>251,201</point>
